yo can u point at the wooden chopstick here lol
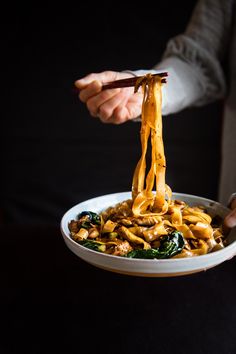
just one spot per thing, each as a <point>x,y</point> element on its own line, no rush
<point>130,81</point>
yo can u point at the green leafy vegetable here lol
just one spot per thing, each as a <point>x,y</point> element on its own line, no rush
<point>145,254</point>
<point>85,225</point>
<point>93,245</point>
<point>170,245</point>
<point>90,218</point>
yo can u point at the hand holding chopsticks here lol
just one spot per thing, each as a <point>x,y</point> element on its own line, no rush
<point>106,99</point>
<point>127,82</point>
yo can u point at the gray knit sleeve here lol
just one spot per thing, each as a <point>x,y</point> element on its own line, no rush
<point>203,46</point>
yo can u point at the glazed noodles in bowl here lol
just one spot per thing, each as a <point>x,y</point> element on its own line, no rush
<point>183,231</point>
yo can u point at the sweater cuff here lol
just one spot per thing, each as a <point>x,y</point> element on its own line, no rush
<point>183,86</point>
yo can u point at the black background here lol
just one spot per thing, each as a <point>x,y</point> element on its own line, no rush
<point>54,154</point>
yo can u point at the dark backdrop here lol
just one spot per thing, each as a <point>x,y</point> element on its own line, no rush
<point>54,154</point>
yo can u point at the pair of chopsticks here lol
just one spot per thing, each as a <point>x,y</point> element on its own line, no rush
<point>129,82</point>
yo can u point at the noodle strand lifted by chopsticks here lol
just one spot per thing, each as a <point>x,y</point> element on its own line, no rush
<point>144,200</point>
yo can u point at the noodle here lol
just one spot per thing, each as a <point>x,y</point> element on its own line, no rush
<point>151,224</point>
<point>143,198</point>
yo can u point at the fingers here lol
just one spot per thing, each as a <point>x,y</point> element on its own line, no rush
<point>108,105</point>
<point>233,203</point>
<point>106,110</point>
<point>102,77</point>
<point>125,112</point>
<point>230,219</point>
<point>103,104</point>
<point>91,84</point>
<point>94,103</point>
<point>121,107</point>
<point>89,91</point>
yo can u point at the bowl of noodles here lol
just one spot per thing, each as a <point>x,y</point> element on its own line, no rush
<point>149,231</point>
<point>204,246</point>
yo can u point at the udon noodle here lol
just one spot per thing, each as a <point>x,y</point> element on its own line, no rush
<point>151,224</point>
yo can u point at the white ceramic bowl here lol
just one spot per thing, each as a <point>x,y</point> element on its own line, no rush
<point>147,267</point>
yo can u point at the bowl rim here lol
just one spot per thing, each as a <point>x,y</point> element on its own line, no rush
<point>66,236</point>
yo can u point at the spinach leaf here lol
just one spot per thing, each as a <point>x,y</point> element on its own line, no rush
<point>144,254</point>
<point>93,245</point>
<point>170,245</point>
<point>92,218</point>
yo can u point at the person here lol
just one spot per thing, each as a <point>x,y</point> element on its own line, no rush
<point>201,66</point>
